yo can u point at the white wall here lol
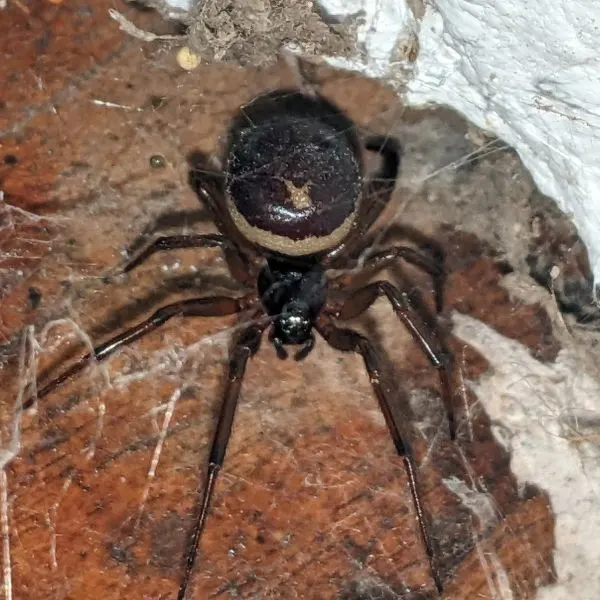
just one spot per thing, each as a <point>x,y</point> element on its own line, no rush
<point>527,71</point>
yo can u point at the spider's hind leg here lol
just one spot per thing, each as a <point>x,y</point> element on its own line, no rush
<point>377,192</point>
<point>175,242</point>
<point>240,266</point>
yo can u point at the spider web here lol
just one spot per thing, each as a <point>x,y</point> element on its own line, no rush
<point>175,376</point>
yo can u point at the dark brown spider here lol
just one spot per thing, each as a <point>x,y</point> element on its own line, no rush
<point>293,204</point>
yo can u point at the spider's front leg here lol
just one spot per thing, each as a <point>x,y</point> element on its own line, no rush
<point>420,328</point>
<point>348,340</point>
<point>246,346</point>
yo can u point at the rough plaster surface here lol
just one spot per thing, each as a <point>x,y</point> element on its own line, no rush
<point>527,71</point>
<point>543,409</point>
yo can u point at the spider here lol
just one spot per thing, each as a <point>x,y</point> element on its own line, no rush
<point>293,204</point>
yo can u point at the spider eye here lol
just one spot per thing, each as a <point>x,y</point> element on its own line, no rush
<point>294,323</point>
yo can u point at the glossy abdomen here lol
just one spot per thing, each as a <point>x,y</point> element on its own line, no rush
<point>294,173</point>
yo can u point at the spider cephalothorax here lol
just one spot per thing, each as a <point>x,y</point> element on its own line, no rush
<point>293,205</point>
<point>294,295</point>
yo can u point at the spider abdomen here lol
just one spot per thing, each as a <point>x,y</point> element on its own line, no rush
<point>294,174</point>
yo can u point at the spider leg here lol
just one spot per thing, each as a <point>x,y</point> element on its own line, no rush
<point>382,184</point>
<point>247,345</point>
<point>380,260</point>
<point>348,340</point>
<point>420,328</point>
<point>236,260</point>
<point>214,306</point>
<point>176,242</point>
<point>209,187</point>
<point>376,195</point>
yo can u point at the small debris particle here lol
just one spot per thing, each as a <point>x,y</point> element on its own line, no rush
<point>35,297</point>
<point>187,59</point>
<point>157,161</point>
<point>157,102</point>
